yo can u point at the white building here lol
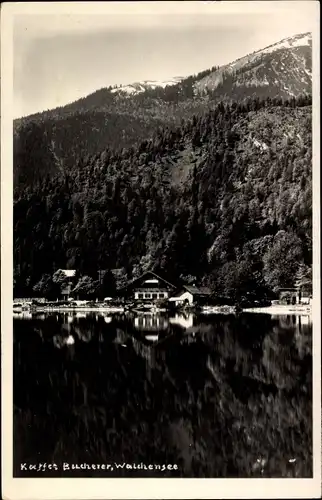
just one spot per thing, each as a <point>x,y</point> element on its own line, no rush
<point>149,287</point>
<point>190,295</point>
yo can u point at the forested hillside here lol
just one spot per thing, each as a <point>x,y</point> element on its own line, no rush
<point>224,199</point>
<point>108,117</point>
<point>50,146</point>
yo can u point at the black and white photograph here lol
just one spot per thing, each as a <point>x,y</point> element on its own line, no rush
<point>164,266</point>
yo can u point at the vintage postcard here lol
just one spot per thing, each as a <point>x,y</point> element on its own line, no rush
<point>160,250</point>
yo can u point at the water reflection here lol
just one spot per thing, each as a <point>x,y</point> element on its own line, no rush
<point>22,315</point>
<point>151,322</point>
<point>183,320</point>
<point>221,396</point>
<point>78,315</point>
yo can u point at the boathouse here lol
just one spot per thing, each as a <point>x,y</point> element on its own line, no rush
<point>298,295</point>
<point>148,287</point>
<point>190,295</point>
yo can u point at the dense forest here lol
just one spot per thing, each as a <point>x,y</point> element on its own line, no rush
<point>223,199</point>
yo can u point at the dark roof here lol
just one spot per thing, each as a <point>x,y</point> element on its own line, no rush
<point>177,294</point>
<point>131,283</point>
<point>197,290</point>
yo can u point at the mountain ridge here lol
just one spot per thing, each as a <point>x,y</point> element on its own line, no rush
<point>111,118</point>
<point>298,40</point>
<point>142,85</point>
<point>270,58</point>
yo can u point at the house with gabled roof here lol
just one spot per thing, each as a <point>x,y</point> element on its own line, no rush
<point>189,295</point>
<point>148,287</point>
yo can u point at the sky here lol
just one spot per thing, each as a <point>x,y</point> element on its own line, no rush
<point>61,55</point>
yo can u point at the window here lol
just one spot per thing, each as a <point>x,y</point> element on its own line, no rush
<point>148,296</point>
<point>154,296</point>
<point>161,295</point>
<point>140,295</point>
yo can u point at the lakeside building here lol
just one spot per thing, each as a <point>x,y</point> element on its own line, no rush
<point>189,295</point>
<point>295,295</point>
<point>148,287</point>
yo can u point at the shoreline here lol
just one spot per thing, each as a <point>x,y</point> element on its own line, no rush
<point>281,310</point>
<point>273,310</point>
<point>72,309</point>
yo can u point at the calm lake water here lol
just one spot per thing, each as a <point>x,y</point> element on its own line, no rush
<point>218,396</point>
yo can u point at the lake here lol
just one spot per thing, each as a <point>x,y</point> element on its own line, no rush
<point>210,395</point>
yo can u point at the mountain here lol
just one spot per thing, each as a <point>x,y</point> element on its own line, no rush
<point>139,87</point>
<point>283,69</point>
<point>123,116</point>
<point>224,200</point>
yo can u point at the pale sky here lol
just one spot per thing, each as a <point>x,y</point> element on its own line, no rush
<point>60,57</point>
